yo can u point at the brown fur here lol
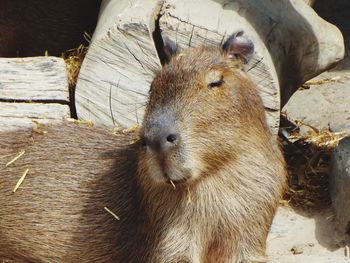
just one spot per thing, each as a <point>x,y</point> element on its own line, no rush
<point>229,169</point>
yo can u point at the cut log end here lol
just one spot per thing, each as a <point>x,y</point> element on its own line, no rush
<point>33,90</point>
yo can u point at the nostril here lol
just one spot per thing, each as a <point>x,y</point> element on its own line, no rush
<point>172,138</point>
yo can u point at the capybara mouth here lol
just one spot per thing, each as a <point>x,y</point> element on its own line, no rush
<point>170,180</point>
<point>177,182</point>
<point>180,180</point>
<point>173,177</point>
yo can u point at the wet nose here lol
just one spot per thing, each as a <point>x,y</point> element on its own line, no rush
<point>160,132</point>
<point>161,142</point>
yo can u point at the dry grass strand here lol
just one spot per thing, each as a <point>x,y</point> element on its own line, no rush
<point>113,214</point>
<point>20,181</point>
<point>15,158</point>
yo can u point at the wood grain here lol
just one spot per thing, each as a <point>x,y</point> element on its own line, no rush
<point>113,84</point>
<point>24,115</point>
<point>33,78</point>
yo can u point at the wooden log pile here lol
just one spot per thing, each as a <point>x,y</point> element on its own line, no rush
<point>32,90</point>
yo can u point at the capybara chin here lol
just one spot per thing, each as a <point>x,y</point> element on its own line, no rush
<point>199,183</point>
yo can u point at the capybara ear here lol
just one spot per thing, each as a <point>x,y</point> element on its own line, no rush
<point>238,45</point>
<point>170,49</point>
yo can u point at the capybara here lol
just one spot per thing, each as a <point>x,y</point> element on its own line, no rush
<point>199,183</point>
<point>30,28</point>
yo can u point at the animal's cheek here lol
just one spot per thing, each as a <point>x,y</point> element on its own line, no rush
<point>152,168</point>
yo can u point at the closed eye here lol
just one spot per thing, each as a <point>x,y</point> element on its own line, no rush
<point>216,83</point>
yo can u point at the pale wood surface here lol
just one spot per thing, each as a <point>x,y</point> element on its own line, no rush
<point>310,2</point>
<point>114,79</point>
<point>33,78</point>
<point>24,115</point>
<point>34,110</point>
<point>23,81</point>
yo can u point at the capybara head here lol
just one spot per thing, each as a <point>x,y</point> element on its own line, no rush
<point>197,106</point>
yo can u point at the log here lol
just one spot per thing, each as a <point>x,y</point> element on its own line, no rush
<point>310,2</point>
<point>27,115</point>
<point>32,90</point>
<point>114,79</point>
<point>33,78</point>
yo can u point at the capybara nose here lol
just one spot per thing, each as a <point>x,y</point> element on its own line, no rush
<point>162,141</point>
<point>160,131</point>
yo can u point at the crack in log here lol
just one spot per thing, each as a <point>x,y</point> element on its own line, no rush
<point>255,64</point>
<point>31,117</point>
<point>133,55</point>
<point>110,102</point>
<point>271,109</point>
<point>42,101</point>
<point>158,41</point>
<point>189,23</point>
<point>190,41</point>
<point>71,104</point>
<point>222,40</point>
<point>125,89</point>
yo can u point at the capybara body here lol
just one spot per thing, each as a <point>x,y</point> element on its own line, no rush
<point>200,183</point>
<point>29,28</point>
<point>74,172</point>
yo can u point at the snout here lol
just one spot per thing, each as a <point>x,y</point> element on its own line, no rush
<point>162,142</point>
<point>160,132</point>
<point>165,154</point>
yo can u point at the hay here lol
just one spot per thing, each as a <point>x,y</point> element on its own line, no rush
<point>38,128</point>
<point>133,129</point>
<point>323,139</point>
<point>73,59</point>
<point>308,161</point>
<point>20,181</point>
<point>15,158</point>
<point>320,81</point>
<point>81,122</point>
<point>172,183</point>
<point>114,215</point>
